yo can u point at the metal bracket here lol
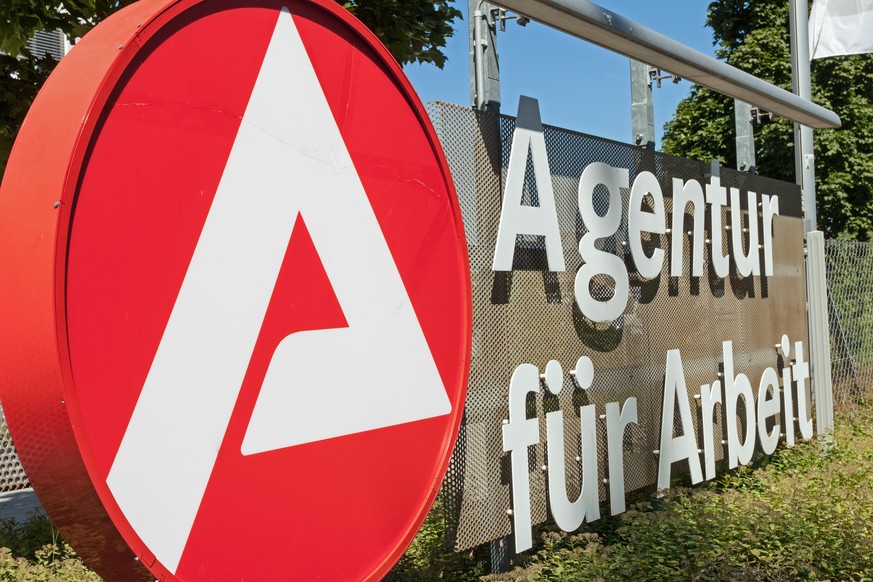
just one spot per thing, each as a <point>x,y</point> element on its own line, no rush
<point>758,114</point>
<point>655,77</point>
<point>499,15</point>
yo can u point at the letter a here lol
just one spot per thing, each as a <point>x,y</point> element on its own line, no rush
<point>683,447</point>
<point>516,219</point>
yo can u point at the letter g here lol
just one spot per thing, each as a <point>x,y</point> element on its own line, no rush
<point>596,261</point>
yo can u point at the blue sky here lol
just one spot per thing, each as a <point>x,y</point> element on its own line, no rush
<point>579,86</point>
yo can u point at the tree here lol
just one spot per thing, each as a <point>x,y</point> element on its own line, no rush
<point>754,36</point>
<point>413,30</point>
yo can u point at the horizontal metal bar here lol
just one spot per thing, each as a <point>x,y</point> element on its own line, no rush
<point>603,27</point>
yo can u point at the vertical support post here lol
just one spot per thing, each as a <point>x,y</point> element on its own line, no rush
<point>745,141</point>
<point>804,169</point>
<point>484,66</point>
<point>714,169</point>
<point>642,107</point>
<point>500,555</point>
<point>485,97</point>
<point>819,338</point>
<point>804,159</point>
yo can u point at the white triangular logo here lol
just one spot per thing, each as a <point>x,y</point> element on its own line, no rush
<point>288,159</point>
<point>379,371</point>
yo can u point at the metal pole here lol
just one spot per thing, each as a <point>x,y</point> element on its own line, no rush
<point>484,66</point>
<point>642,108</point>
<point>819,338</point>
<point>804,158</point>
<point>485,97</point>
<point>478,58</point>
<point>804,169</point>
<point>745,141</point>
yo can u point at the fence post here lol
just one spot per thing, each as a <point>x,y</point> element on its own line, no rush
<point>642,108</point>
<point>745,139</point>
<point>484,66</point>
<point>485,97</point>
<point>804,158</point>
<point>819,339</point>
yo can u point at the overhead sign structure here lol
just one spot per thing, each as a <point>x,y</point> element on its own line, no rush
<point>238,339</point>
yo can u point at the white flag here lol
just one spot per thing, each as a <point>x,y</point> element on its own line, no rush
<point>840,27</point>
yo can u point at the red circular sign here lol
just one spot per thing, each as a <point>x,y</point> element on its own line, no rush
<point>240,333</point>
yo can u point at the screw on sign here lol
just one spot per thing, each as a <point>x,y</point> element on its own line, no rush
<point>238,340</point>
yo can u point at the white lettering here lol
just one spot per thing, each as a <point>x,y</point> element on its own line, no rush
<point>716,197</point>
<point>709,397</point>
<point>747,262</point>
<point>768,408</point>
<point>596,261</point>
<point>569,515</point>
<point>800,371</point>
<point>788,410</point>
<point>515,218</point>
<point>771,209</point>
<point>683,447</point>
<point>606,302</point>
<point>640,221</point>
<point>617,420</point>
<point>734,387</point>
<point>518,434</point>
<point>683,194</point>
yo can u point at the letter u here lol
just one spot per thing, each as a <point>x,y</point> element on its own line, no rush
<point>570,514</point>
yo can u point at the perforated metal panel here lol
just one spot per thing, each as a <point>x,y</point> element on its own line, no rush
<point>12,475</point>
<point>529,315</point>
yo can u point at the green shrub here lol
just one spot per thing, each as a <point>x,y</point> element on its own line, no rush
<point>428,558</point>
<point>33,551</point>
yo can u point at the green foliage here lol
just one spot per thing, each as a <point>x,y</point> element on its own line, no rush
<point>806,513</point>
<point>52,563</point>
<point>25,539</point>
<point>20,80</point>
<point>20,18</point>
<point>753,36</point>
<point>34,552</point>
<point>413,30</point>
<point>429,559</point>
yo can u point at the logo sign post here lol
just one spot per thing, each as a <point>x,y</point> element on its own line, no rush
<point>237,341</point>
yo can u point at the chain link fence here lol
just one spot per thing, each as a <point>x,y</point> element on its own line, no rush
<point>850,310</point>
